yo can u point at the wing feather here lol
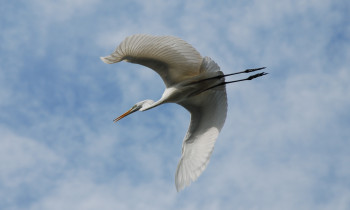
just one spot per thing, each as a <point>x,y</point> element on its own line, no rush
<point>208,113</point>
<point>172,58</point>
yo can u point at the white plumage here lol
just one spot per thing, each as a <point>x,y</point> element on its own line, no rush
<point>172,58</point>
<point>191,81</point>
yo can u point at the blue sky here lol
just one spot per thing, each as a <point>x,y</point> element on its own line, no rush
<point>285,144</point>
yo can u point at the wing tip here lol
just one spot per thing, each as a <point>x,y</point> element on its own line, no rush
<point>185,179</point>
<point>179,187</point>
<point>185,176</point>
<point>110,59</point>
<point>180,184</point>
<point>181,181</point>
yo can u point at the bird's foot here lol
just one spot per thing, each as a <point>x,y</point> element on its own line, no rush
<point>256,75</point>
<point>252,70</point>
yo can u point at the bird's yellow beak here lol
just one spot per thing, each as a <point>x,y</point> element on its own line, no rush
<point>130,111</point>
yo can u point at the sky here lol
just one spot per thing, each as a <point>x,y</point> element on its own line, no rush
<point>285,143</point>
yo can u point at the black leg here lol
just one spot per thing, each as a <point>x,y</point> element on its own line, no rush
<point>240,80</point>
<point>248,78</point>
<point>225,75</point>
<point>245,71</point>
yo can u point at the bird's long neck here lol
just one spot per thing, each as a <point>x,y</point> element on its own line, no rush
<point>167,97</point>
<point>149,104</point>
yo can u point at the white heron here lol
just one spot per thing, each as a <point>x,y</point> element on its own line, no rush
<point>191,81</point>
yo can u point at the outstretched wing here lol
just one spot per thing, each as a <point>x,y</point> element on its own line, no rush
<point>208,113</point>
<point>172,58</point>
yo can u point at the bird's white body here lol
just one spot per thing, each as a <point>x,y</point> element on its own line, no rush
<point>192,82</point>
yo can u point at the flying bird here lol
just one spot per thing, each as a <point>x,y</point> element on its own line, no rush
<point>192,81</point>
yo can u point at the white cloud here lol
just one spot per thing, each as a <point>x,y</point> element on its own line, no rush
<point>24,163</point>
<point>20,153</point>
<point>63,10</point>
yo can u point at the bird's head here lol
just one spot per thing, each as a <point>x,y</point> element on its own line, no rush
<point>139,106</point>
